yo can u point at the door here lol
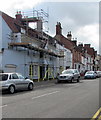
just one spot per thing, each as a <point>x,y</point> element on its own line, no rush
<point>75,74</point>
<point>42,72</point>
<point>23,83</point>
<point>15,80</point>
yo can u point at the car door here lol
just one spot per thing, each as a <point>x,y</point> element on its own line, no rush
<point>23,82</point>
<point>15,80</point>
<point>75,74</point>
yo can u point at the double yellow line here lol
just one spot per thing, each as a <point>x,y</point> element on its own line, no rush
<point>97,115</point>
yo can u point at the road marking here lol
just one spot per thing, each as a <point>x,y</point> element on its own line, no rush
<point>97,114</point>
<point>3,106</point>
<point>99,117</point>
<point>45,94</point>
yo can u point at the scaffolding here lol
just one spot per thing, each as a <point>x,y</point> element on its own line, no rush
<point>38,16</point>
<point>30,35</point>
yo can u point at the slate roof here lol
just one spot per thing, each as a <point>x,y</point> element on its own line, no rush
<point>11,22</point>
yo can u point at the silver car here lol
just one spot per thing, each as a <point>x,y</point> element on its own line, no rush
<point>69,75</point>
<point>14,81</point>
<point>98,73</point>
<point>90,74</point>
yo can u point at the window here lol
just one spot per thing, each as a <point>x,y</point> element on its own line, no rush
<point>76,71</point>
<point>20,76</point>
<point>35,70</point>
<point>3,77</point>
<point>14,76</point>
<point>75,66</point>
<point>41,55</point>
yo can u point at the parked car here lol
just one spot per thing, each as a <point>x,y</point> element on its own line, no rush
<point>98,73</point>
<point>14,81</point>
<point>69,75</point>
<point>90,74</point>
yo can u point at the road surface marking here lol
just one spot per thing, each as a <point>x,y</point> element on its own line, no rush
<point>99,117</point>
<point>3,106</point>
<point>45,94</point>
<point>97,114</point>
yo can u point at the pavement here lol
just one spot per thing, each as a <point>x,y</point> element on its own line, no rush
<point>47,83</point>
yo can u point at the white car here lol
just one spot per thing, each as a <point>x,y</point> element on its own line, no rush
<point>98,73</point>
<point>90,74</point>
<point>69,75</point>
<point>14,81</point>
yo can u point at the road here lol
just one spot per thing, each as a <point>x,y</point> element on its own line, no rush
<point>64,100</point>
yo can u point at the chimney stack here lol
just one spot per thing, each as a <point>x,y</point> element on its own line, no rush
<point>18,15</point>
<point>80,45</point>
<point>69,36</point>
<point>87,45</point>
<point>74,41</point>
<point>58,29</point>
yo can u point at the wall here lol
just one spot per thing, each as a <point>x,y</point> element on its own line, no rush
<point>19,59</point>
<point>1,43</point>
<point>65,61</point>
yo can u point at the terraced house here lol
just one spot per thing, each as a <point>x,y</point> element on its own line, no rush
<point>83,56</point>
<point>29,51</point>
<point>35,53</point>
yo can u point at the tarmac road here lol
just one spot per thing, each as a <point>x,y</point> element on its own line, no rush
<point>64,100</point>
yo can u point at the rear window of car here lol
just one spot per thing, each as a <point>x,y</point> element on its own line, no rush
<point>67,72</point>
<point>3,77</point>
<point>98,71</point>
<point>90,72</point>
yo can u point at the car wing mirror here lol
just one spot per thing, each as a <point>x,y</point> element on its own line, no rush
<point>26,78</point>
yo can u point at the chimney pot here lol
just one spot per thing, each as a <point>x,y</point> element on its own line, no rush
<point>58,29</point>
<point>75,42</point>
<point>18,15</point>
<point>69,36</point>
<point>87,45</point>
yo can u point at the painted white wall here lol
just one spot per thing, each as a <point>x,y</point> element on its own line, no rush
<point>0,32</point>
<point>0,42</point>
<point>66,60</point>
<point>20,57</point>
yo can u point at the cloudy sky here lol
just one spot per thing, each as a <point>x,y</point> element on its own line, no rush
<point>79,17</point>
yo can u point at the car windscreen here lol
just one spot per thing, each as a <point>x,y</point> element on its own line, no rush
<point>98,71</point>
<point>67,72</point>
<point>91,72</point>
<point>3,77</point>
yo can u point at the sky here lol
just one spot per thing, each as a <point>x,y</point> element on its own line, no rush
<point>80,17</point>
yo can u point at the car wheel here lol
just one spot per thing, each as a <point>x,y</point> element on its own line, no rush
<point>30,86</point>
<point>58,81</point>
<point>78,80</point>
<point>71,80</point>
<point>11,89</point>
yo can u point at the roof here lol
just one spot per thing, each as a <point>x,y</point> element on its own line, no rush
<point>11,22</point>
<point>67,43</point>
<point>90,51</point>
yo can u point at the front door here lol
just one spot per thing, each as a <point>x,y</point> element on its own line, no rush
<point>42,72</point>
